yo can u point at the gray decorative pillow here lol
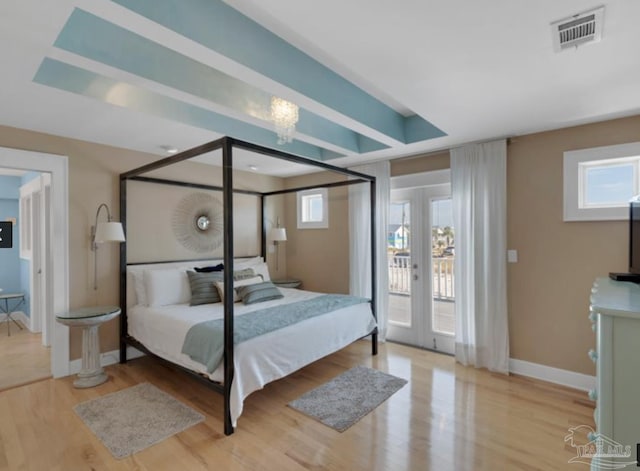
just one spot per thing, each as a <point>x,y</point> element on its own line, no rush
<point>242,274</point>
<point>259,292</point>
<point>203,288</point>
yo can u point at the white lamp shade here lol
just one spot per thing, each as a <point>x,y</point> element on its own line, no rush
<point>109,232</point>
<point>278,234</point>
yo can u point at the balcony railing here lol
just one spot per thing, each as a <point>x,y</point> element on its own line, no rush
<point>400,273</point>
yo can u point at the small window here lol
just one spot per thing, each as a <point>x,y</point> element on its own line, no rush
<point>608,184</point>
<point>599,182</point>
<point>313,209</point>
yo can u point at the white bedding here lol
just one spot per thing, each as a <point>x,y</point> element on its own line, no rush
<point>257,361</point>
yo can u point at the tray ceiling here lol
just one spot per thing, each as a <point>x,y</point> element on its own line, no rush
<point>372,80</point>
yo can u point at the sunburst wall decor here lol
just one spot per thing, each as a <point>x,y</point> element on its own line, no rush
<point>198,222</point>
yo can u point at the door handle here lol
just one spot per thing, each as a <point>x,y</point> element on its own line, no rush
<point>415,277</point>
<point>415,266</point>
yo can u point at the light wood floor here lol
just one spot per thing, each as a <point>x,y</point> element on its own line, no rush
<point>447,417</point>
<point>444,319</point>
<point>23,359</point>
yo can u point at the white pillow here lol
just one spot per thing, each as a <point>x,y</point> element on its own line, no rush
<point>236,284</point>
<point>247,262</point>
<point>131,298</point>
<point>138,285</point>
<point>263,270</point>
<point>165,287</point>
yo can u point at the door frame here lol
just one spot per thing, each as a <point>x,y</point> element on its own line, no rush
<point>57,166</point>
<point>417,184</point>
<point>46,261</point>
<point>37,194</point>
<point>31,206</point>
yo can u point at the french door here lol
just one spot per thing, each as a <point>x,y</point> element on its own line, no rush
<point>421,278</point>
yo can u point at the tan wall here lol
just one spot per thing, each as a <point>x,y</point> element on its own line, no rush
<point>549,287</point>
<point>420,163</point>
<point>93,179</point>
<point>152,211</point>
<point>319,257</point>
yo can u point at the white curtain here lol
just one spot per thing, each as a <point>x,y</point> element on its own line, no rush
<point>479,181</point>
<point>360,239</point>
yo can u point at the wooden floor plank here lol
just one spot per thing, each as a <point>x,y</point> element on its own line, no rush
<point>448,417</point>
<point>23,359</point>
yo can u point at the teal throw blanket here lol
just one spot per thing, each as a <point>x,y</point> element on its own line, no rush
<point>204,342</point>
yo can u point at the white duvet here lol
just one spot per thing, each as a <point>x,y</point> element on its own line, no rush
<point>257,361</point>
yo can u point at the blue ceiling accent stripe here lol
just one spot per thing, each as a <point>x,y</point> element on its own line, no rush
<point>92,37</point>
<point>313,125</point>
<point>369,145</point>
<point>417,129</point>
<point>74,79</point>
<point>219,27</point>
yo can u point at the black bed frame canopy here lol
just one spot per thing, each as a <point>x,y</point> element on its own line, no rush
<point>226,144</point>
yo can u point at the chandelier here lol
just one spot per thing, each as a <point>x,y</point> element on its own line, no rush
<point>284,115</point>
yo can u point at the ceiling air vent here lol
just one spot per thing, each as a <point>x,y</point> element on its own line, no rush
<point>578,29</point>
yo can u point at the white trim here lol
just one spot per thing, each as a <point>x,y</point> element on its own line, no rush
<point>324,223</point>
<point>533,370</point>
<point>106,359</point>
<point>417,180</point>
<point>553,375</point>
<point>57,165</point>
<point>24,220</point>
<point>31,186</point>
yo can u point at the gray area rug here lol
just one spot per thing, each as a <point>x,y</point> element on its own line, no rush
<point>130,420</point>
<point>347,398</point>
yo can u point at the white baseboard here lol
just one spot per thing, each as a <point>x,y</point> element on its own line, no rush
<point>19,316</point>
<point>106,359</point>
<point>533,370</point>
<point>552,375</point>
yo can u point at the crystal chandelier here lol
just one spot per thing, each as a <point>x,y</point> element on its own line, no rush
<point>284,115</point>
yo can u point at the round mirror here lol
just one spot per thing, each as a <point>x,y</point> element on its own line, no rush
<point>203,223</point>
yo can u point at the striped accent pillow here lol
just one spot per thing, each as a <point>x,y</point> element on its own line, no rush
<point>259,292</point>
<point>203,288</point>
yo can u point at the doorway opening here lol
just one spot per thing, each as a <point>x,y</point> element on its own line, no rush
<point>25,277</point>
<point>43,208</point>
<point>421,256</point>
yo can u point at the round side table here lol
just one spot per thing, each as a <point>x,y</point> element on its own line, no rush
<point>90,319</point>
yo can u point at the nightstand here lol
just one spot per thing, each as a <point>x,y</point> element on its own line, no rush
<point>90,319</point>
<point>287,283</point>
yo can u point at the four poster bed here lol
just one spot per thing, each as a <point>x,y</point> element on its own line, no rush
<point>235,347</point>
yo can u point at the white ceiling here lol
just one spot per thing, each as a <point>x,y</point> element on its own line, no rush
<point>475,70</point>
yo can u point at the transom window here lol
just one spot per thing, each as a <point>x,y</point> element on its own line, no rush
<point>600,182</point>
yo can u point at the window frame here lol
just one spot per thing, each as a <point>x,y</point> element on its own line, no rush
<point>322,224</point>
<point>576,163</point>
<point>583,168</point>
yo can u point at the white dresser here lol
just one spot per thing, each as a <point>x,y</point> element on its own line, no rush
<point>615,314</point>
